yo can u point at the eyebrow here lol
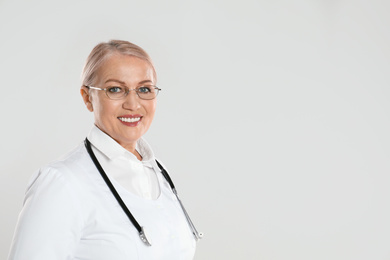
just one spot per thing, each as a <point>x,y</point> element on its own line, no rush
<point>145,81</point>
<point>123,83</point>
<point>115,80</point>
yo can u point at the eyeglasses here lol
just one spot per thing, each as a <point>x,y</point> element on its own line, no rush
<point>146,92</point>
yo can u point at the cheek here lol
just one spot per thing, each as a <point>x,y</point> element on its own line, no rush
<point>151,108</point>
<point>103,108</point>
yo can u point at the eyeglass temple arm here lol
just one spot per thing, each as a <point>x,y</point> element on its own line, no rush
<point>89,87</point>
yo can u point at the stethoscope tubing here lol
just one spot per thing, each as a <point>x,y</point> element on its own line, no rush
<point>198,235</point>
<point>140,229</point>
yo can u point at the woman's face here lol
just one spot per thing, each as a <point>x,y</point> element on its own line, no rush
<point>110,115</point>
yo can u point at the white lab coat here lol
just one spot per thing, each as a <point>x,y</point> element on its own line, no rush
<point>70,213</point>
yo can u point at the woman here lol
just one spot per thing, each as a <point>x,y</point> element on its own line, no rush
<point>109,198</point>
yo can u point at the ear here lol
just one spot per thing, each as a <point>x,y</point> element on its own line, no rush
<point>86,98</point>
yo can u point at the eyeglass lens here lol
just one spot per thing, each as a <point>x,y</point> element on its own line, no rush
<point>144,92</point>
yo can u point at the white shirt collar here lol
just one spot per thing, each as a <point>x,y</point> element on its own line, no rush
<point>110,148</point>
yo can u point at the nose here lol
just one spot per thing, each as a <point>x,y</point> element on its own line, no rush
<point>131,101</point>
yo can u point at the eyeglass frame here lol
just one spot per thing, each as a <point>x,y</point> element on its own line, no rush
<point>127,91</point>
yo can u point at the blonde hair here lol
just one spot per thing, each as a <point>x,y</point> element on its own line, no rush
<point>104,50</point>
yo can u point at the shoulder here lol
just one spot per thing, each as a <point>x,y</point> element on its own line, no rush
<point>75,160</point>
<point>59,174</point>
<point>54,209</point>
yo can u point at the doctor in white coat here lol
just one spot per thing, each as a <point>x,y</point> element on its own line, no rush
<point>71,212</point>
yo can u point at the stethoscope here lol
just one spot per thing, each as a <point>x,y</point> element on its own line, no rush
<point>140,229</point>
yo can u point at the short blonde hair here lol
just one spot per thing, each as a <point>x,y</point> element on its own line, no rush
<point>104,50</point>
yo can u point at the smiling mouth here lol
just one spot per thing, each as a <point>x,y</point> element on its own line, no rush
<point>129,119</point>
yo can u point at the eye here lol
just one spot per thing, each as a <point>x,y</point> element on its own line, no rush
<point>145,89</point>
<point>115,90</point>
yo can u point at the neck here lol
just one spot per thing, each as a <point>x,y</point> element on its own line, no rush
<point>128,146</point>
<point>131,149</point>
<point>139,157</point>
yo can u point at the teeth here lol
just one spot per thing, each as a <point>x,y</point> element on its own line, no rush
<point>129,120</point>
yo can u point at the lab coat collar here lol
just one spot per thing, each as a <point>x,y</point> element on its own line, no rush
<point>110,148</point>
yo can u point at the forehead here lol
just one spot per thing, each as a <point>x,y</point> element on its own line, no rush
<point>128,69</point>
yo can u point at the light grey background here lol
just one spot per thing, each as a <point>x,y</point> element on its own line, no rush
<point>274,117</point>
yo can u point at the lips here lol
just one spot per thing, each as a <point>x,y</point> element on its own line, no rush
<point>130,120</point>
